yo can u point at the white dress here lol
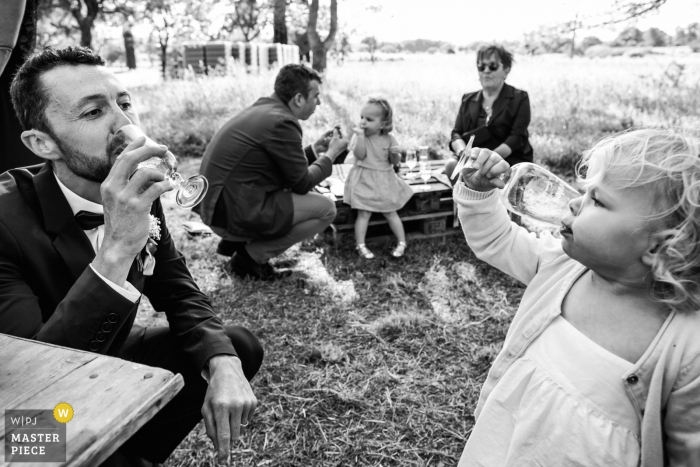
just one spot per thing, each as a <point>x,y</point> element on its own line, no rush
<point>562,403</point>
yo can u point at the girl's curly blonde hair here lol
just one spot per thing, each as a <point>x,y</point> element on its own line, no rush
<point>387,112</point>
<point>667,162</point>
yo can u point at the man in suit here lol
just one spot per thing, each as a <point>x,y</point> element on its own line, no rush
<point>260,176</point>
<point>73,263</point>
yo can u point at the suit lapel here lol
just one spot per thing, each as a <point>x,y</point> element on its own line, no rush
<point>70,241</point>
<point>501,101</point>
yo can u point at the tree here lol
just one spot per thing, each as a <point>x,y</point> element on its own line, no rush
<point>628,37</point>
<point>82,12</point>
<point>248,16</point>
<point>590,41</point>
<point>279,22</point>
<point>172,18</point>
<point>372,45</point>
<point>654,37</point>
<point>320,47</point>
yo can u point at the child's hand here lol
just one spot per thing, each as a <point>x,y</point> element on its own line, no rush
<point>358,131</point>
<point>484,169</point>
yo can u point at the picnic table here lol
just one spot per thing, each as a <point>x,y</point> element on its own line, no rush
<point>111,398</point>
<point>429,213</point>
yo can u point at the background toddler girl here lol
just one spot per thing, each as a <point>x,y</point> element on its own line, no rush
<point>372,185</point>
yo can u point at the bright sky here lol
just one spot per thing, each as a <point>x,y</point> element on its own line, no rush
<point>465,21</point>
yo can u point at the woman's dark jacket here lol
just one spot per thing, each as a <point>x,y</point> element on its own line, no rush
<point>508,123</point>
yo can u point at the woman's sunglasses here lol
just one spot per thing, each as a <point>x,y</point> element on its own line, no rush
<point>491,66</point>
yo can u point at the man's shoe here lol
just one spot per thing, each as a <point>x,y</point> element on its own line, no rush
<point>228,247</point>
<point>244,266</point>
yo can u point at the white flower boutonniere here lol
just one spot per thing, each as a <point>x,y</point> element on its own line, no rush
<point>154,227</point>
<point>146,260</point>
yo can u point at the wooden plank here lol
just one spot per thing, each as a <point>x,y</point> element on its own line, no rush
<point>48,364</point>
<point>111,398</point>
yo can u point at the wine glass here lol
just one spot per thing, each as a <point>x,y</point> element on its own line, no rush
<point>189,192</point>
<point>411,162</point>
<point>424,171</point>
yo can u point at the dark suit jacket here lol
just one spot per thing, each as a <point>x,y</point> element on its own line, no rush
<point>49,293</point>
<point>508,124</point>
<point>253,164</point>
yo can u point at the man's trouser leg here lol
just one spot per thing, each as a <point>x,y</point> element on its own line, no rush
<point>159,437</point>
<point>312,214</point>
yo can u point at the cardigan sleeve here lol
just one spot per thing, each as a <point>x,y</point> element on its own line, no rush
<point>682,420</point>
<point>518,132</point>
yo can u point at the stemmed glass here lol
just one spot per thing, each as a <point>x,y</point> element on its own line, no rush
<point>189,191</point>
<point>425,172</point>
<point>411,162</point>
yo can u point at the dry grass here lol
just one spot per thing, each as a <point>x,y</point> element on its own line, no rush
<point>380,362</point>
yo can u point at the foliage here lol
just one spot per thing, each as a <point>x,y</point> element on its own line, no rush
<point>80,15</point>
<point>655,37</point>
<point>372,45</point>
<point>628,37</point>
<point>250,17</point>
<point>590,41</point>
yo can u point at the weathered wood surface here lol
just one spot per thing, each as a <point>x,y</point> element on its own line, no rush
<point>111,398</point>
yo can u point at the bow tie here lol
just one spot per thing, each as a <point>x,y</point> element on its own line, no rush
<point>89,220</point>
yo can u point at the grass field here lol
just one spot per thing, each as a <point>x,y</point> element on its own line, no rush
<point>380,362</point>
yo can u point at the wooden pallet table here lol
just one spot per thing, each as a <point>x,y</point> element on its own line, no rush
<point>428,214</point>
<point>111,398</point>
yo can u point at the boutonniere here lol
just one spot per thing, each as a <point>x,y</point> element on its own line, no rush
<point>146,261</point>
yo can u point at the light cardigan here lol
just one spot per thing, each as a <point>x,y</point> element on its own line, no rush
<point>664,385</point>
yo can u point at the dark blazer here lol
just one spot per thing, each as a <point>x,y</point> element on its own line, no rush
<point>49,293</point>
<point>508,124</point>
<point>253,164</point>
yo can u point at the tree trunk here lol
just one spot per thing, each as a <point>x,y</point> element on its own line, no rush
<point>85,23</point>
<point>163,60</point>
<point>321,47</point>
<point>86,33</point>
<point>280,22</point>
<point>129,50</point>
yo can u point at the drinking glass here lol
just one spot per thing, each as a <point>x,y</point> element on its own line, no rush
<point>411,163</point>
<point>189,191</point>
<point>425,172</point>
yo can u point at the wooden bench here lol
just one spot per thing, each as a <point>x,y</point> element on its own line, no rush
<point>427,214</point>
<point>111,398</point>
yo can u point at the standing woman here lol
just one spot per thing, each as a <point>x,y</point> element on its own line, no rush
<point>497,116</point>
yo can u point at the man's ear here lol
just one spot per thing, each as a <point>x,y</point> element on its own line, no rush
<point>41,144</point>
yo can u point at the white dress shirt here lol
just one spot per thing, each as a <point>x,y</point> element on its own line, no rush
<point>95,236</point>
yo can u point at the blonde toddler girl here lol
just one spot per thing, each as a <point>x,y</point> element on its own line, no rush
<point>601,364</point>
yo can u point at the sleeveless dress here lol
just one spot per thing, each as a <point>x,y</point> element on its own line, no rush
<point>563,403</point>
<point>372,185</point>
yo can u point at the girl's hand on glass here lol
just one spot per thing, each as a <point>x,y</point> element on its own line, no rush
<point>484,170</point>
<point>358,131</point>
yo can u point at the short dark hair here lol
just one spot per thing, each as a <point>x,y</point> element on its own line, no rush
<point>499,51</point>
<point>29,96</point>
<point>295,79</point>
